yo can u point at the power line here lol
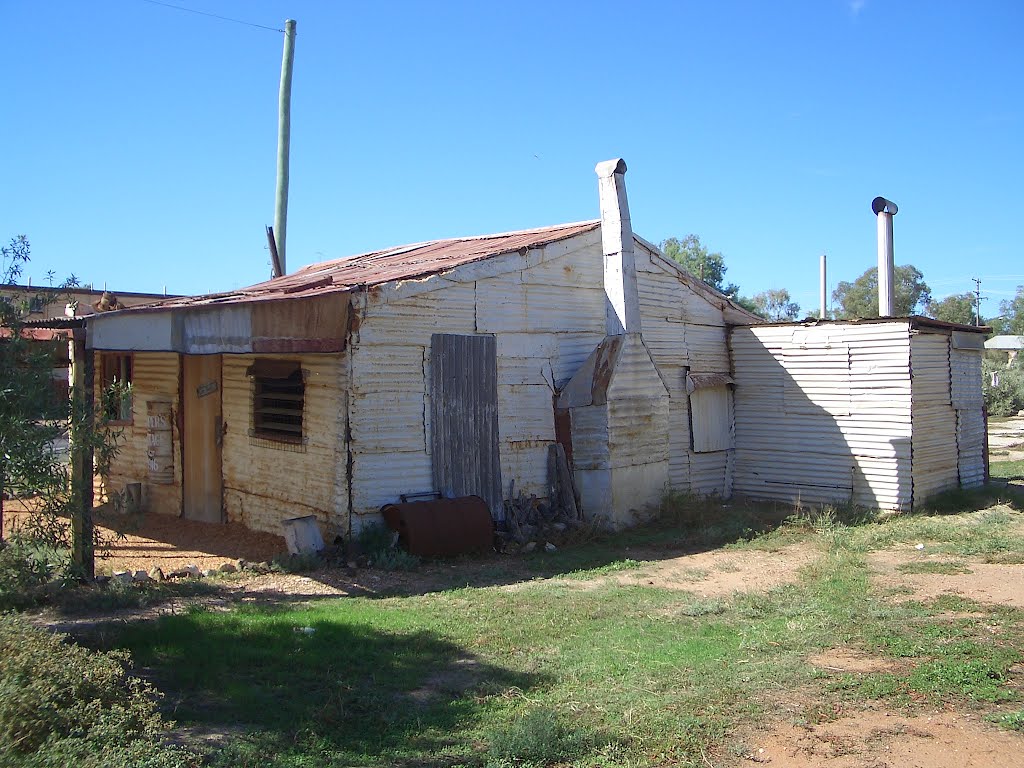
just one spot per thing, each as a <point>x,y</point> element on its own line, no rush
<point>212,15</point>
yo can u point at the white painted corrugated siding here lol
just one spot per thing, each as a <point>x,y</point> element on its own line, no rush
<point>638,410</point>
<point>154,377</point>
<point>966,394</point>
<point>389,413</point>
<point>684,333</point>
<point>547,314</point>
<point>934,442</point>
<point>266,483</point>
<point>823,414</point>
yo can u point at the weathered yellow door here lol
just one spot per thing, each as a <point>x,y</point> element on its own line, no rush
<point>201,438</point>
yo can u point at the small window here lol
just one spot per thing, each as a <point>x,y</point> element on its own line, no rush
<point>710,412</point>
<point>116,397</point>
<point>279,392</point>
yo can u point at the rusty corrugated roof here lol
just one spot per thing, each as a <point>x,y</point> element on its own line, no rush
<point>404,262</point>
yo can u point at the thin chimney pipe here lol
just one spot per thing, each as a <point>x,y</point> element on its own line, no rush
<point>823,290</point>
<point>885,210</point>
<point>284,130</point>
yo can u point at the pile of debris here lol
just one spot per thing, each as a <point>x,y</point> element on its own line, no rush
<point>532,523</point>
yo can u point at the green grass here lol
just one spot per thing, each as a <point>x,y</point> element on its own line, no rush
<point>1007,470</point>
<point>553,672</point>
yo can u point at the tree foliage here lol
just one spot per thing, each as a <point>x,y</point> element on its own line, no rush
<point>27,463</point>
<point>776,305</point>
<point>860,298</point>
<point>696,259</point>
<point>958,308</point>
<point>34,420</point>
<point>1013,313</point>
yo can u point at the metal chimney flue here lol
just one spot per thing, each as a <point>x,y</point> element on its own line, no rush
<point>885,210</point>
<point>623,310</point>
<point>823,288</point>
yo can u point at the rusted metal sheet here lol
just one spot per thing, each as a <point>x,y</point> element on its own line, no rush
<point>464,445</point>
<point>442,527</point>
<point>695,381</point>
<point>402,263</point>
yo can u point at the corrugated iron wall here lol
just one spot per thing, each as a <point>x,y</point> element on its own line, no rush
<point>966,394</point>
<point>266,481</point>
<point>547,316</point>
<point>934,443</point>
<point>154,378</point>
<point>685,334</point>
<point>823,414</point>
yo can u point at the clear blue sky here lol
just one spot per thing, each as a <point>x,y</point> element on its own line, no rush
<point>139,140</point>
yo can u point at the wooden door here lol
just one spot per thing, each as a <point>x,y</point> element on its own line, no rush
<point>201,438</point>
<point>464,418</point>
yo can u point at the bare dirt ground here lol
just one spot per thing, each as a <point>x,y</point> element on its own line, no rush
<point>874,737</point>
<point>144,541</point>
<point>879,739</point>
<point>716,573</point>
<point>1006,439</point>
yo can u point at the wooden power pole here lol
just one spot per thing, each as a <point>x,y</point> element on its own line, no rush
<point>284,128</point>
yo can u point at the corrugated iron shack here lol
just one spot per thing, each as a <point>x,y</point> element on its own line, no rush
<point>881,413</point>
<point>452,366</point>
<point>447,366</point>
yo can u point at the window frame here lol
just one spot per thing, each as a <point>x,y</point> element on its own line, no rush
<point>278,405</point>
<point>711,402</point>
<point>119,366</point>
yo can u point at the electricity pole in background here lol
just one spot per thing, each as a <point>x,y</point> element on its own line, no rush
<point>977,300</point>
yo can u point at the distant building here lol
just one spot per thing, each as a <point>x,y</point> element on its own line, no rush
<point>41,302</point>
<point>1011,345</point>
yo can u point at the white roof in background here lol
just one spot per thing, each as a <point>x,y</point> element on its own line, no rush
<point>1005,342</point>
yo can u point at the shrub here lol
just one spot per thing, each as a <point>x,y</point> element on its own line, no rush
<point>538,738</point>
<point>61,703</point>
<point>25,567</point>
<point>379,544</point>
<point>1007,397</point>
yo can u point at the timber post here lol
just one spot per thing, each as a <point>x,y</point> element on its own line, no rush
<point>82,425</point>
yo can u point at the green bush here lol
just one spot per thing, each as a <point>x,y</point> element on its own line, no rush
<point>538,738</point>
<point>61,703</point>
<point>25,568</point>
<point>378,544</point>
<point>1007,397</point>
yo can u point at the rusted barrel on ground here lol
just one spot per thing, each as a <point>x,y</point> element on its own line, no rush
<point>442,527</point>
